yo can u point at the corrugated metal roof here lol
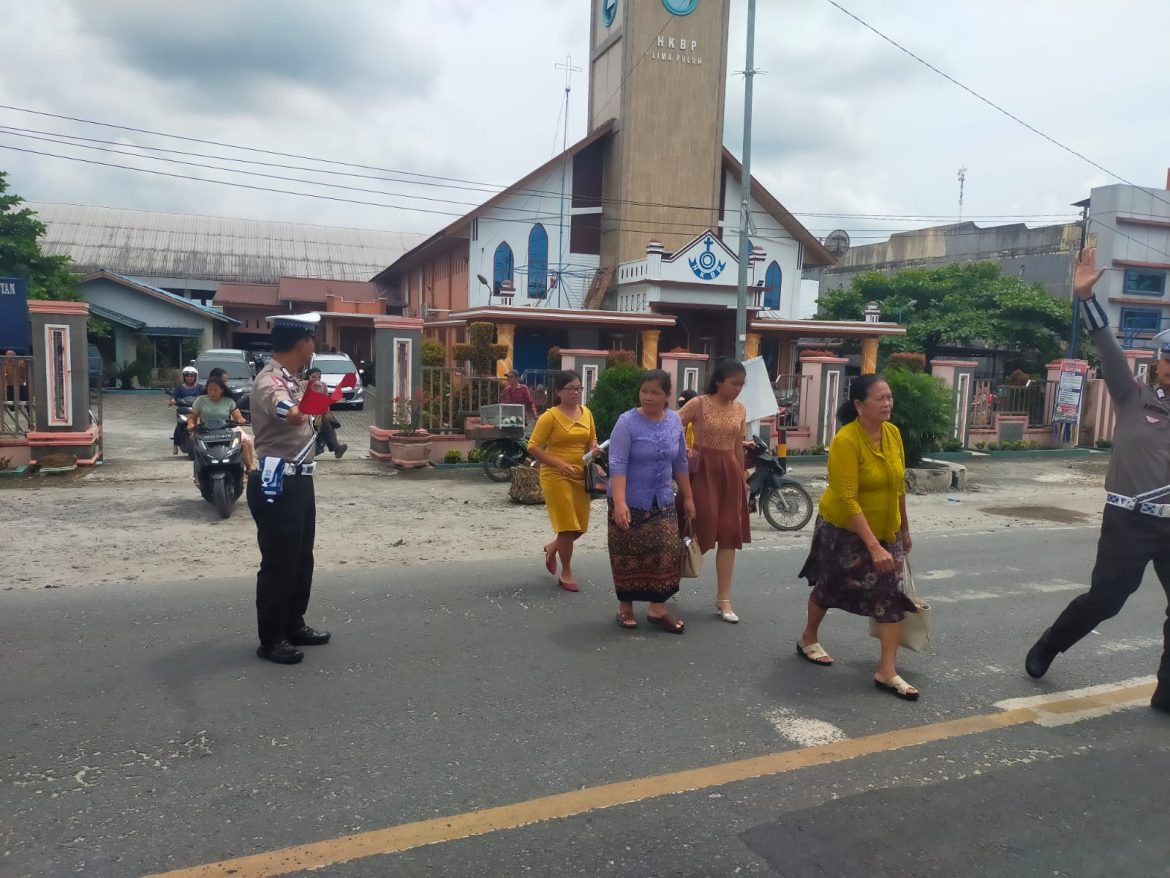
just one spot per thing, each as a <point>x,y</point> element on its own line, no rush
<point>151,244</point>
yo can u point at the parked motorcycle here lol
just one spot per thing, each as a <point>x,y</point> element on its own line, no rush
<point>219,465</point>
<point>782,499</point>
<point>501,454</point>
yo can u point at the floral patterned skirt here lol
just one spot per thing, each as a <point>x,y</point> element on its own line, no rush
<point>646,560</point>
<point>842,575</point>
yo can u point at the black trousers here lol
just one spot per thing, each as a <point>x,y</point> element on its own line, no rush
<point>1129,542</point>
<point>328,434</point>
<point>284,529</point>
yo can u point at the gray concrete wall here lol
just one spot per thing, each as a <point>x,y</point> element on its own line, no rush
<point>1041,255</point>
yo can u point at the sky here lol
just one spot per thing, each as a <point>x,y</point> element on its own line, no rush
<point>845,126</point>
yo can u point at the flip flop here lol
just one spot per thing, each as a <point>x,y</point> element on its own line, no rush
<point>812,652</point>
<point>566,585</point>
<point>627,622</point>
<point>667,622</point>
<point>897,686</point>
<point>550,562</point>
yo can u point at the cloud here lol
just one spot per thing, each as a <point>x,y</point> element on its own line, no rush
<point>242,53</point>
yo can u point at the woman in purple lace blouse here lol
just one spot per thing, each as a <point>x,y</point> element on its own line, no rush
<point>647,452</point>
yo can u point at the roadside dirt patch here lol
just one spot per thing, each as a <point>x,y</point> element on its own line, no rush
<point>1040,513</point>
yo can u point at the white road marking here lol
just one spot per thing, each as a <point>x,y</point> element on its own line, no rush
<point>1049,697</point>
<point>1133,644</point>
<point>802,730</point>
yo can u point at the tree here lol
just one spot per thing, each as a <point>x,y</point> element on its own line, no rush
<point>924,411</point>
<point>482,351</point>
<point>969,305</point>
<point>616,392</point>
<point>49,277</point>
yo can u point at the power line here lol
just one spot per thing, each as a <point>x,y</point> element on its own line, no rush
<point>987,101</point>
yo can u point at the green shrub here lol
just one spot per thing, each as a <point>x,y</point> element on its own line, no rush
<point>125,373</point>
<point>554,357</point>
<point>475,455</point>
<point>433,353</point>
<point>953,444</point>
<point>1103,443</point>
<point>1033,444</point>
<point>616,392</point>
<point>453,456</point>
<point>924,411</point>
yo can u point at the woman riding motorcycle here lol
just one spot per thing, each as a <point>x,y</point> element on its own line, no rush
<point>217,405</point>
<point>186,393</point>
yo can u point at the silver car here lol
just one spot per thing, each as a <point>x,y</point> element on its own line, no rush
<point>333,368</point>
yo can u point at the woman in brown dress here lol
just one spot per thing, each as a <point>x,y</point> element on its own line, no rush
<point>719,478</point>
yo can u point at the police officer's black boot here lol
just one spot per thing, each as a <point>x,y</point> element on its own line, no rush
<point>1040,656</point>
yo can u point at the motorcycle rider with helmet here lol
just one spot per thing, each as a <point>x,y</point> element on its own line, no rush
<point>184,394</point>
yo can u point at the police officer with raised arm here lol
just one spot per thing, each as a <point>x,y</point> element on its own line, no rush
<point>280,495</point>
<point>1135,526</point>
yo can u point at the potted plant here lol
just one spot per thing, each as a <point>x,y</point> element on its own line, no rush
<point>410,444</point>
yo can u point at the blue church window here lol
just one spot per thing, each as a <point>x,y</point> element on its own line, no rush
<point>503,266</point>
<point>772,287</point>
<point>537,262</point>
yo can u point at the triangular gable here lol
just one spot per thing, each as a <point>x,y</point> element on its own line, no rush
<point>161,294</point>
<point>814,251</point>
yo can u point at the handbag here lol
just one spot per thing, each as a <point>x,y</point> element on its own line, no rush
<point>693,453</point>
<point>596,478</point>
<point>690,555</point>
<point>914,632</point>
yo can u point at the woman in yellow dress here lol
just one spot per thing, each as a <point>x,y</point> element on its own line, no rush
<point>561,438</point>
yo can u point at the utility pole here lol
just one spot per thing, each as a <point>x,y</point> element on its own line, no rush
<point>962,182</point>
<point>745,207</point>
<point>1076,321</point>
<point>569,71</point>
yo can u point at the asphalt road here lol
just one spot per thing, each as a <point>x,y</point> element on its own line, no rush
<point>142,735</point>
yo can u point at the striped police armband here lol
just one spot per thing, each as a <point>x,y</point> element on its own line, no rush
<point>283,408</point>
<point>1095,316</point>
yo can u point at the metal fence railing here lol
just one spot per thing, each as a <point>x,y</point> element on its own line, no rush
<point>540,382</point>
<point>450,396</point>
<point>1034,400</point>
<point>18,411</point>
<point>790,392</point>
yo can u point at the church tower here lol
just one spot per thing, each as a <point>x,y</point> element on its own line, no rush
<point>658,68</point>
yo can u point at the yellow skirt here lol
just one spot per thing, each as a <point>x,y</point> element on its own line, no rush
<point>565,499</point>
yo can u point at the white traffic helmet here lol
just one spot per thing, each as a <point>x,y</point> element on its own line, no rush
<point>190,370</point>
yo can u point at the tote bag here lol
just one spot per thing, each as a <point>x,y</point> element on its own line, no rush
<point>914,632</point>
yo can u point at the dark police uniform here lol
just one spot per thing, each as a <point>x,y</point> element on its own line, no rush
<point>1135,526</point>
<point>285,523</point>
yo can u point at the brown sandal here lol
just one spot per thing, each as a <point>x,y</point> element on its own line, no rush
<point>627,620</point>
<point>667,622</point>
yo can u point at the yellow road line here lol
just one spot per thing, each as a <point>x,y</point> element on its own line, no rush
<point>395,839</point>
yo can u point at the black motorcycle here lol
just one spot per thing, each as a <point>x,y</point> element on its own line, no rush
<point>182,412</point>
<point>219,465</point>
<point>501,454</point>
<point>782,499</point>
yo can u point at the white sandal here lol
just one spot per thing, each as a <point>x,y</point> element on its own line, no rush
<point>726,616</point>
<point>814,652</point>
<point>897,686</point>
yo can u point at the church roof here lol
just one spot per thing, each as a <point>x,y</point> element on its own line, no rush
<point>814,251</point>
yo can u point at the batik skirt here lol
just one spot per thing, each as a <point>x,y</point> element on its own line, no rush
<point>647,558</point>
<point>843,576</point>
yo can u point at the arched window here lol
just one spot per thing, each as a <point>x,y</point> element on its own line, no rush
<point>772,287</point>
<point>537,262</point>
<point>503,266</point>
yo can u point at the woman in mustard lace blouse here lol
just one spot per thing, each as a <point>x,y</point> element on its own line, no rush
<point>857,559</point>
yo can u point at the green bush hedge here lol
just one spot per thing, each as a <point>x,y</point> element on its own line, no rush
<point>924,411</point>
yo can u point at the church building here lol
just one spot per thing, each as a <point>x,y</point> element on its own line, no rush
<point>630,238</point>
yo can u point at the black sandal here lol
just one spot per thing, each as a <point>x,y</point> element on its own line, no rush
<point>667,622</point>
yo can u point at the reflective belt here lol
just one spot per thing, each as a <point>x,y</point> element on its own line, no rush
<point>1132,504</point>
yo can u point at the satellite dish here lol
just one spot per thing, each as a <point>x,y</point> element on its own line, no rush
<point>837,243</point>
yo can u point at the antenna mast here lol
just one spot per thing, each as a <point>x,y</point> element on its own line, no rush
<point>962,181</point>
<point>569,71</point>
